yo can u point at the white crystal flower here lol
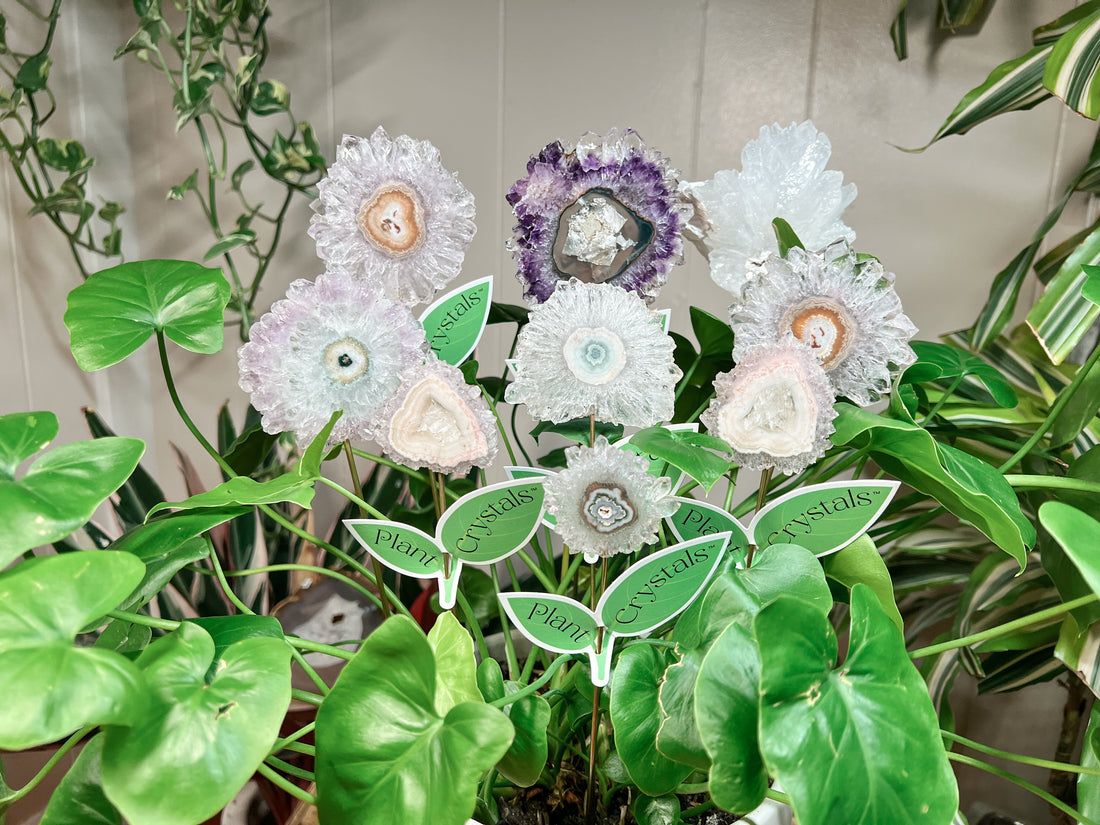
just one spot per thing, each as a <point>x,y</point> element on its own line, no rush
<point>332,344</point>
<point>775,408</point>
<point>391,202</point>
<point>846,310</point>
<point>782,175</point>
<point>594,348</point>
<point>605,502</point>
<point>437,420</point>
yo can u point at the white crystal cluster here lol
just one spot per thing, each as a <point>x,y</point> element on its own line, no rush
<point>594,349</point>
<point>389,211</point>
<point>605,501</point>
<point>782,175</point>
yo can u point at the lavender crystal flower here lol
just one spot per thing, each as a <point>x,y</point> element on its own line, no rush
<point>389,211</point>
<point>593,348</point>
<point>437,420</point>
<point>782,175</point>
<point>332,344</point>
<point>846,310</point>
<point>775,408</point>
<point>605,501</point>
<point>607,210</point>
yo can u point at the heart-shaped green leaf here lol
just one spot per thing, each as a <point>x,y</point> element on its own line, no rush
<point>636,716</point>
<point>455,666</point>
<point>198,740</point>
<point>116,310</point>
<point>1078,534</point>
<point>79,798</point>
<point>678,734</point>
<point>868,720</point>
<point>965,485</point>
<point>526,757</point>
<point>685,450</point>
<point>51,688</point>
<point>384,754</point>
<point>861,563</point>
<point>664,810</point>
<point>21,436</point>
<point>727,699</point>
<point>937,361</point>
<point>60,491</point>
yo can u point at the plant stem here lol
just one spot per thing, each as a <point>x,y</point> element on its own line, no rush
<point>375,564</point>
<point>58,755</point>
<point>1023,783</point>
<point>319,647</point>
<point>287,768</point>
<point>305,730</point>
<point>1059,403</point>
<point>778,796</point>
<point>401,468</point>
<point>1026,482</point>
<point>1004,629</point>
<point>590,799</point>
<point>284,783</point>
<point>943,399</point>
<point>307,668</point>
<point>527,690</point>
<point>473,626</point>
<point>509,646</point>
<point>1017,757</point>
<point>761,497</point>
<point>500,425</point>
<point>321,571</point>
<point>306,696</point>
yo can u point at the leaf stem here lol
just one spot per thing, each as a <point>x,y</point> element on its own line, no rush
<point>142,619</point>
<point>319,647</point>
<point>281,781</point>
<point>1029,482</point>
<point>1050,799</point>
<point>1017,757</point>
<point>364,511</point>
<point>58,755</point>
<point>1004,629</point>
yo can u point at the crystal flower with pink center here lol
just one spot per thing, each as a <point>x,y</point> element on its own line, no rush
<point>332,344</point>
<point>390,212</point>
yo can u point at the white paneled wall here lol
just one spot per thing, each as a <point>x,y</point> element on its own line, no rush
<point>492,81</point>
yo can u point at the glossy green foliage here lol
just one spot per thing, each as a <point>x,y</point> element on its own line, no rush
<point>526,757</point>
<point>79,798</point>
<point>50,687</point>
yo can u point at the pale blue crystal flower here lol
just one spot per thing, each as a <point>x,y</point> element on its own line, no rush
<point>605,502</point>
<point>594,348</point>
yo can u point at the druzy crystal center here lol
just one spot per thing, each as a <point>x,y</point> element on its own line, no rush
<point>435,425</point>
<point>606,507</point>
<point>598,237</point>
<point>771,413</point>
<point>346,360</point>
<point>825,326</point>
<point>392,220</point>
<point>594,355</point>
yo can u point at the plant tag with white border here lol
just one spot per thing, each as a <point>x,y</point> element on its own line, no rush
<point>643,598</point>
<point>481,527</point>
<point>454,323</point>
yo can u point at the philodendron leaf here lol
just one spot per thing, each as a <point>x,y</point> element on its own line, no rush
<point>526,757</point>
<point>869,720</point>
<point>636,717</point>
<point>965,485</point>
<point>21,436</point>
<point>1078,534</point>
<point>50,687</point>
<point>687,451</point>
<point>455,667</point>
<point>384,754</point>
<point>1088,785</point>
<point>79,799</point>
<point>663,810</point>
<point>944,362</point>
<point>727,698</point>
<point>861,563</point>
<point>678,732</point>
<point>200,737</point>
<point>59,492</point>
<point>116,310</point>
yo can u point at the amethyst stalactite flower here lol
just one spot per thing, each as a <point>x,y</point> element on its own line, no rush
<point>607,210</point>
<point>332,344</point>
<point>389,211</point>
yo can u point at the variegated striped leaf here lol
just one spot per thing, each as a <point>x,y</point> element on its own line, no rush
<point>1071,71</point>
<point>1014,85</point>
<point>1047,266</point>
<point>899,31</point>
<point>1062,315</point>
<point>1052,31</point>
<point>1080,650</point>
<point>954,14</point>
<point>1013,670</point>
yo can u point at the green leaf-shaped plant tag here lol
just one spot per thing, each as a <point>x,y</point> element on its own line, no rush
<point>209,723</point>
<point>553,622</point>
<point>823,518</point>
<point>385,754</point>
<point>454,322</point>
<point>701,518</point>
<point>59,492</point>
<point>517,473</point>
<point>116,310</point>
<point>50,687</point>
<point>399,546</point>
<point>492,523</point>
<point>868,720</point>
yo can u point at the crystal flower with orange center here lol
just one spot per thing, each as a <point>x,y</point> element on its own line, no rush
<point>594,349</point>
<point>332,344</point>
<point>775,408</point>
<point>782,175</point>
<point>389,210</point>
<point>437,420</point>
<point>846,310</point>
<point>605,502</point>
